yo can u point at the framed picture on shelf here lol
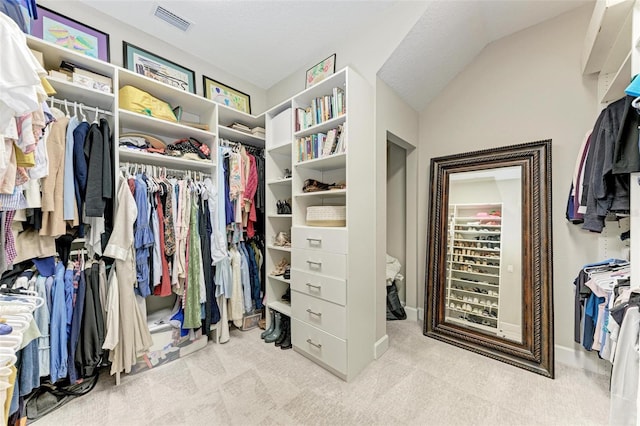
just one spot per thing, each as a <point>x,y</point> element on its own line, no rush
<point>153,66</point>
<point>69,33</point>
<point>320,71</point>
<point>226,95</point>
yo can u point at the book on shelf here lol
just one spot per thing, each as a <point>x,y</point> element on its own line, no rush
<point>320,145</point>
<point>322,108</point>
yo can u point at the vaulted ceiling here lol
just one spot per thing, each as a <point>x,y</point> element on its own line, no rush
<point>264,41</point>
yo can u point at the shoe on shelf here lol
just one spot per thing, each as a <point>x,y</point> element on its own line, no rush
<point>280,267</point>
<point>282,240</point>
<point>286,297</point>
<point>287,173</point>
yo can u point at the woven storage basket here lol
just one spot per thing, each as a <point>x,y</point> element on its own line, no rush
<point>327,215</point>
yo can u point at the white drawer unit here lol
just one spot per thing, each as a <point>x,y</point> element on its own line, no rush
<point>325,239</point>
<point>327,288</point>
<point>319,262</point>
<point>319,345</point>
<point>325,315</point>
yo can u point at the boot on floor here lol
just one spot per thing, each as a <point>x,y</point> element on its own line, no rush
<point>272,325</point>
<point>273,336</point>
<point>285,327</point>
<point>286,342</point>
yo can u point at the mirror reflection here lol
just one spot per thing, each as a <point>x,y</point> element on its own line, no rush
<point>483,290</point>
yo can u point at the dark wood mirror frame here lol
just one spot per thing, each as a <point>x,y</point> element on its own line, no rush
<point>535,353</point>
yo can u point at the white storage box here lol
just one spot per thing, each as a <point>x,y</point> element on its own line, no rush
<point>327,215</point>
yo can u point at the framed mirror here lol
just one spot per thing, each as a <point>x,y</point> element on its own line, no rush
<point>489,262</point>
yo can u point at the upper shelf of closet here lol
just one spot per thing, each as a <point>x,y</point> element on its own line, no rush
<point>608,29</point>
<point>227,116</point>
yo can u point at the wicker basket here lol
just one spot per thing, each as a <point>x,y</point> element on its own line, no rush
<point>327,215</point>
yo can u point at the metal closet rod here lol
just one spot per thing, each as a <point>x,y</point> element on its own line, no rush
<point>67,103</point>
<point>150,168</point>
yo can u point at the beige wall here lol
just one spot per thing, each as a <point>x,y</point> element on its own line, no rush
<point>364,51</point>
<point>522,88</point>
<point>119,32</point>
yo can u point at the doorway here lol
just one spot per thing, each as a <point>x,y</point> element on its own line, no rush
<point>401,223</point>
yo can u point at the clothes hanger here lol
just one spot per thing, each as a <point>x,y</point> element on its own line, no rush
<point>66,109</point>
<point>75,109</point>
<point>84,117</point>
<point>95,118</point>
<point>636,103</point>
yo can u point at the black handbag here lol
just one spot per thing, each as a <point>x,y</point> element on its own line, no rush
<point>395,311</point>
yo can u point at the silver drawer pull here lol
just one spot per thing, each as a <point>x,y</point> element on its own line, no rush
<point>311,262</point>
<point>318,314</point>
<point>317,345</point>
<point>314,240</point>
<point>317,287</point>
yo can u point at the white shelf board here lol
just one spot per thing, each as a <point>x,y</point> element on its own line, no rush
<point>54,55</point>
<point>474,282</point>
<point>331,193</point>
<point>475,273</point>
<point>272,247</point>
<point>620,48</point>
<point>323,127</point>
<point>276,182</point>
<point>164,160</point>
<point>279,216</point>
<point>284,149</point>
<point>619,82</point>
<point>476,293</point>
<point>89,97</point>
<point>190,102</point>
<point>275,110</point>
<point>163,128</point>
<point>279,278</point>
<point>332,162</point>
<point>234,135</point>
<point>324,87</point>
<point>606,22</point>
<point>227,116</point>
<point>281,307</point>
<point>492,330</point>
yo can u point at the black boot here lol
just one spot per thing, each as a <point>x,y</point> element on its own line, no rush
<point>285,327</point>
<point>286,342</point>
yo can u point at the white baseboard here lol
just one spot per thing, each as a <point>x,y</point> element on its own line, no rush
<point>412,313</point>
<point>381,346</point>
<point>582,359</point>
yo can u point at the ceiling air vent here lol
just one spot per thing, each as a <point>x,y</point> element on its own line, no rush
<point>172,18</point>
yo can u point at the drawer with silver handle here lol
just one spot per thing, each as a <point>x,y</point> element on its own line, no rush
<point>319,262</point>
<point>325,315</point>
<point>331,240</point>
<point>317,285</point>
<point>319,345</point>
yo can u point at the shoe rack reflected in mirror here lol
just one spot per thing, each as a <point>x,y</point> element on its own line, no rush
<point>484,252</point>
<point>489,286</point>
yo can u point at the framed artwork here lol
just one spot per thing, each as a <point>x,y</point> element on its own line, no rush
<point>320,71</point>
<point>153,66</point>
<point>69,33</point>
<point>226,95</point>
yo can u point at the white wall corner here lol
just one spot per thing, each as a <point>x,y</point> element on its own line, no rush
<point>412,313</point>
<point>582,359</point>
<point>381,346</point>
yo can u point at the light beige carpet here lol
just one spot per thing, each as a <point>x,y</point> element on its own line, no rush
<point>418,381</point>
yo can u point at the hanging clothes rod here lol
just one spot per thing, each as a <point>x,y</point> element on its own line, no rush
<point>67,103</point>
<point>154,170</point>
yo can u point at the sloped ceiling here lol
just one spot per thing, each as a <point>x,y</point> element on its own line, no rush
<point>264,41</point>
<point>450,34</point>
